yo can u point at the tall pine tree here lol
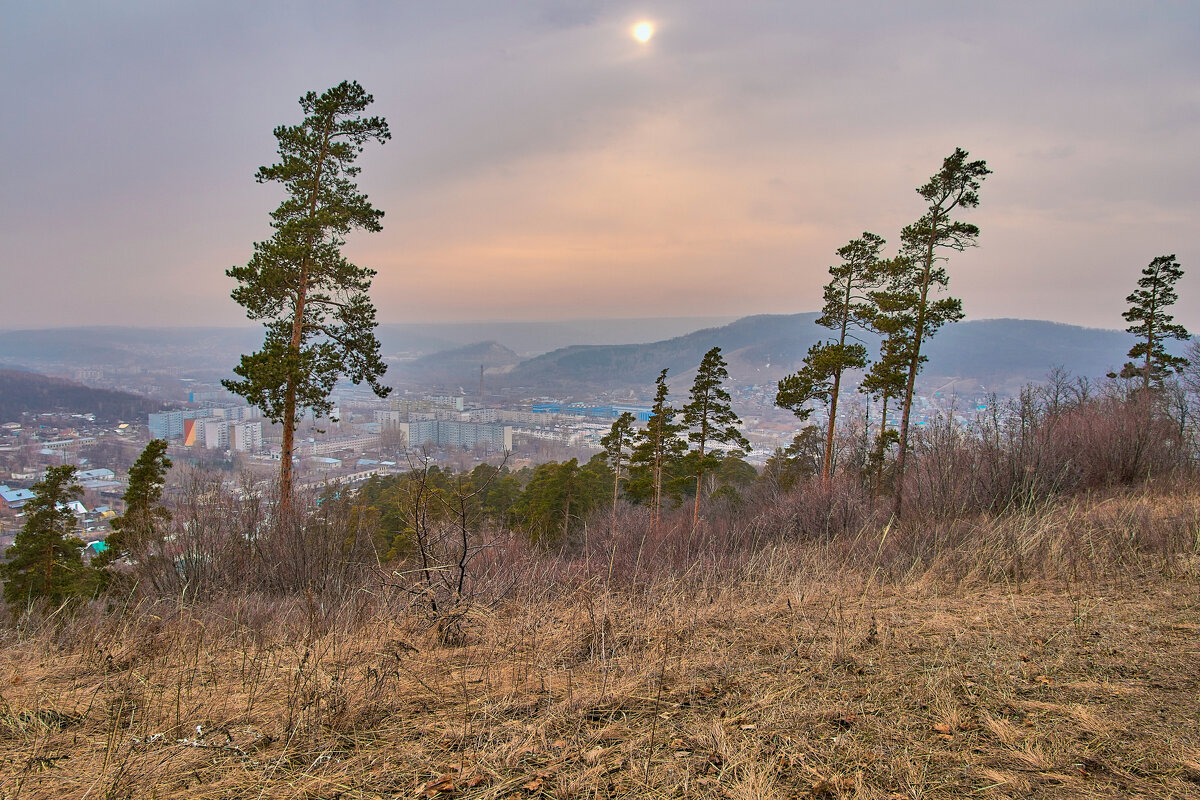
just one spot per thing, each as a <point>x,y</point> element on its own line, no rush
<point>46,558</point>
<point>1149,321</point>
<point>885,379</point>
<point>658,448</point>
<point>918,275</point>
<point>847,306</point>
<point>710,419</point>
<point>320,322</point>
<point>138,533</point>
<point>617,444</point>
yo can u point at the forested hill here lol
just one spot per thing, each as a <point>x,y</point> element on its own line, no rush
<point>28,391</point>
<point>1002,353</point>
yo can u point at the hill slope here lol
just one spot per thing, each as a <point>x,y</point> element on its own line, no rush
<point>24,391</point>
<point>456,367</point>
<point>999,352</point>
<point>214,348</point>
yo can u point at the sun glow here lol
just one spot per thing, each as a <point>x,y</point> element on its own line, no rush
<point>643,31</point>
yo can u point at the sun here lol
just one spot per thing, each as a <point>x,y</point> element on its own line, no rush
<point>643,31</point>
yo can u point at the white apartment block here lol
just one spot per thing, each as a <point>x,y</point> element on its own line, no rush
<point>247,437</point>
<point>216,435</point>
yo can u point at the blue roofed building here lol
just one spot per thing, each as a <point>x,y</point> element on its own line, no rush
<point>14,498</point>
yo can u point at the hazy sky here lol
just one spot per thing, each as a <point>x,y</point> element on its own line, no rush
<point>545,165</point>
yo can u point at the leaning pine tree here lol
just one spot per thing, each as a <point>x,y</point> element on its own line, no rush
<point>918,274</point>
<point>1149,321</point>
<point>320,322</point>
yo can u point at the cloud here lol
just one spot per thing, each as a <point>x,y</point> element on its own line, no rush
<point>545,164</point>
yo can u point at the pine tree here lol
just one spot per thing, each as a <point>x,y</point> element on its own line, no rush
<point>787,467</point>
<point>917,275</point>
<point>658,447</point>
<point>319,320</point>
<point>559,497</point>
<point>46,559</point>
<point>710,418</point>
<point>139,531</point>
<point>617,444</point>
<point>1150,322</point>
<point>892,320</point>
<point>847,306</point>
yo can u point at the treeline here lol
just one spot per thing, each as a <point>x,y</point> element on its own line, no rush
<point>548,505</point>
<point>671,458</point>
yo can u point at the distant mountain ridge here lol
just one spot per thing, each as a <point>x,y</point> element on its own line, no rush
<point>220,348</point>
<point>761,337</point>
<point>998,353</point>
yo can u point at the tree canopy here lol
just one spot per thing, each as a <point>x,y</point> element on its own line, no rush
<point>138,533</point>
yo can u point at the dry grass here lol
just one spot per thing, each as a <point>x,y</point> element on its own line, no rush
<point>794,675</point>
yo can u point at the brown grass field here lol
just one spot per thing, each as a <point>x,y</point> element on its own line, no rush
<point>1060,659</point>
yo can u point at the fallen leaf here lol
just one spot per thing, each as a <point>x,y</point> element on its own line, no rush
<point>823,789</point>
<point>442,785</point>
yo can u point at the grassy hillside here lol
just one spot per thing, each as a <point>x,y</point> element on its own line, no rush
<point>1042,655</point>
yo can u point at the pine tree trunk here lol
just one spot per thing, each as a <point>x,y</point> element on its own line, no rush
<point>1149,351</point>
<point>910,386</point>
<point>879,461</point>
<point>616,492</point>
<point>285,451</point>
<point>827,464</point>
<point>289,421</point>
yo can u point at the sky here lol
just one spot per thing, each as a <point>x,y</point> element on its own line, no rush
<point>545,165</point>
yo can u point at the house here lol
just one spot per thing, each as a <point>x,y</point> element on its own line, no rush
<point>95,475</point>
<point>14,498</point>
